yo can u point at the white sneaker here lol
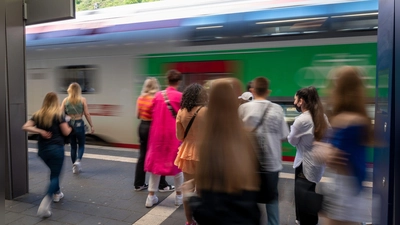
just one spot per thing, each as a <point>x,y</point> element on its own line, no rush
<point>44,207</point>
<point>297,222</point>
<point>178,200</point>
<point>57,197</point>
<point>151,200</point>
<point>76,167</point>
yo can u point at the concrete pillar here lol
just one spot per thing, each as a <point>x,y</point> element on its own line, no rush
<point>13,141</point>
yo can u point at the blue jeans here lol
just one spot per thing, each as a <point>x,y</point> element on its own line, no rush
<point>78,140</point>
<point>273,206</point>
<point>53,157</point>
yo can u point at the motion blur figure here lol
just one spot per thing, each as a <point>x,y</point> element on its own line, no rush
<point>163,144</point>
<point>75,106</point>
<point>144,107</point>
<point>226,179</point>
<point>51,127</point>
<point>345,199</point>
<point>311,125</point>
<point>189,123</point>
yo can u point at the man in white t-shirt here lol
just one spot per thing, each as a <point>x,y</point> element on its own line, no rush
<point>270,135</point>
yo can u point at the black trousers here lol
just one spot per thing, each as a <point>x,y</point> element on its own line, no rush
<point>304,217</point>
<point>140,174</point>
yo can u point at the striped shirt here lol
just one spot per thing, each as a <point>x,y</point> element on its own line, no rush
<point>145,105</point>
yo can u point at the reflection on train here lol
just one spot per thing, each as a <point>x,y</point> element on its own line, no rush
<point>290,52</point>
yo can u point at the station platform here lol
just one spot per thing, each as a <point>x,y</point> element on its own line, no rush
<point>104,193</point>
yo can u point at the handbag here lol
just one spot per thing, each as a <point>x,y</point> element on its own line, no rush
<point>67,139</point>
<point>267,184</point>
<point>307,200</point>
<point>71,123</point>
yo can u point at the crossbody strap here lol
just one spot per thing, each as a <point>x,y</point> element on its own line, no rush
<point>191,122</point>
<point>262,118</point>
<point>169,106</point>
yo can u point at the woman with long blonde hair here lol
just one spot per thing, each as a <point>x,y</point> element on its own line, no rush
<point>51,127</point>
<point>75,106</point>
<point>226,178</point>
<point>144,107</point>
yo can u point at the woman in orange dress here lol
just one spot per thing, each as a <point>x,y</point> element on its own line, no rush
<point>192,109</point>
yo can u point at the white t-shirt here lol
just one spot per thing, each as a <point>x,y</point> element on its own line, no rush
<point>270,133</point>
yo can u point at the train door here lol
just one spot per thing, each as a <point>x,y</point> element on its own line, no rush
<point>202,71</point>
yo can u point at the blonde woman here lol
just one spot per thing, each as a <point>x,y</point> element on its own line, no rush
<point>144,107</point>
<point>226,180</point>
<point>75,107</point>
<point>52,127</point>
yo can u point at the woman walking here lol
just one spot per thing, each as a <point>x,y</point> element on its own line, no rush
<point>144,107</point>
<point>345,200</point>
<point>310,126</point>
<point>51,127</point>
<point>188,128</point>
<point>75,106</point>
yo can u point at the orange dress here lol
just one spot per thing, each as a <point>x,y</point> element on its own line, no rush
<point>188,156</point>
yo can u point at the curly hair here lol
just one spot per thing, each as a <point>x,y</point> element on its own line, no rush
<point>193,95</point>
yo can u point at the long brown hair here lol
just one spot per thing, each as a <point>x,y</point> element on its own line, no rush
<point>348,95</point>
<point>227,158</point>
<point>50,109</point>
<point>313,103</point>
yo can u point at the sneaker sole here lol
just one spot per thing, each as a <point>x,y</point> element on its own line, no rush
<point>162,190</point>
<point>140,189</point>
<point>58,200</point>
<point>45,214</point>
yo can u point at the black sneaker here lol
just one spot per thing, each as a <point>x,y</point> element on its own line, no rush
<point>139,188</point>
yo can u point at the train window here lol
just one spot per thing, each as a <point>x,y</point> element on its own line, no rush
<point>85,75</point>
<point>290,112</point>
<point>202,71</point>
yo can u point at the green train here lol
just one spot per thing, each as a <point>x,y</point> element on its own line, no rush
<point>289,66</point>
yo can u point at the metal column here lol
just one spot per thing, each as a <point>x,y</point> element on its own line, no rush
<point>13,100</point>
<point>387,120</point>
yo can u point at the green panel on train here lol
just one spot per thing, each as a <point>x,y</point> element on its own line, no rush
<point>287,68</point>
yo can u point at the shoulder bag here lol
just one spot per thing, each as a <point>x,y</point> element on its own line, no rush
<point>191,122</point>
<point>166,100</point>
<point>266,192</point>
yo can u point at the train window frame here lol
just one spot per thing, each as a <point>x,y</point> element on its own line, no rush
<point>84,75</point>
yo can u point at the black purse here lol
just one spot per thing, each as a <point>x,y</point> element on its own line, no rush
<point>307,200</point>
<point>267,184</point>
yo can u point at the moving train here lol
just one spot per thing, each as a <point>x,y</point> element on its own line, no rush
<point>293,50</point>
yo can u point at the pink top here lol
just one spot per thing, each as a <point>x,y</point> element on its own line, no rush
<point>163,144</point>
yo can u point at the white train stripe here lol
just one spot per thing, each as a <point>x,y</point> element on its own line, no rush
<point>160,212</point>
<point>134,160</point>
